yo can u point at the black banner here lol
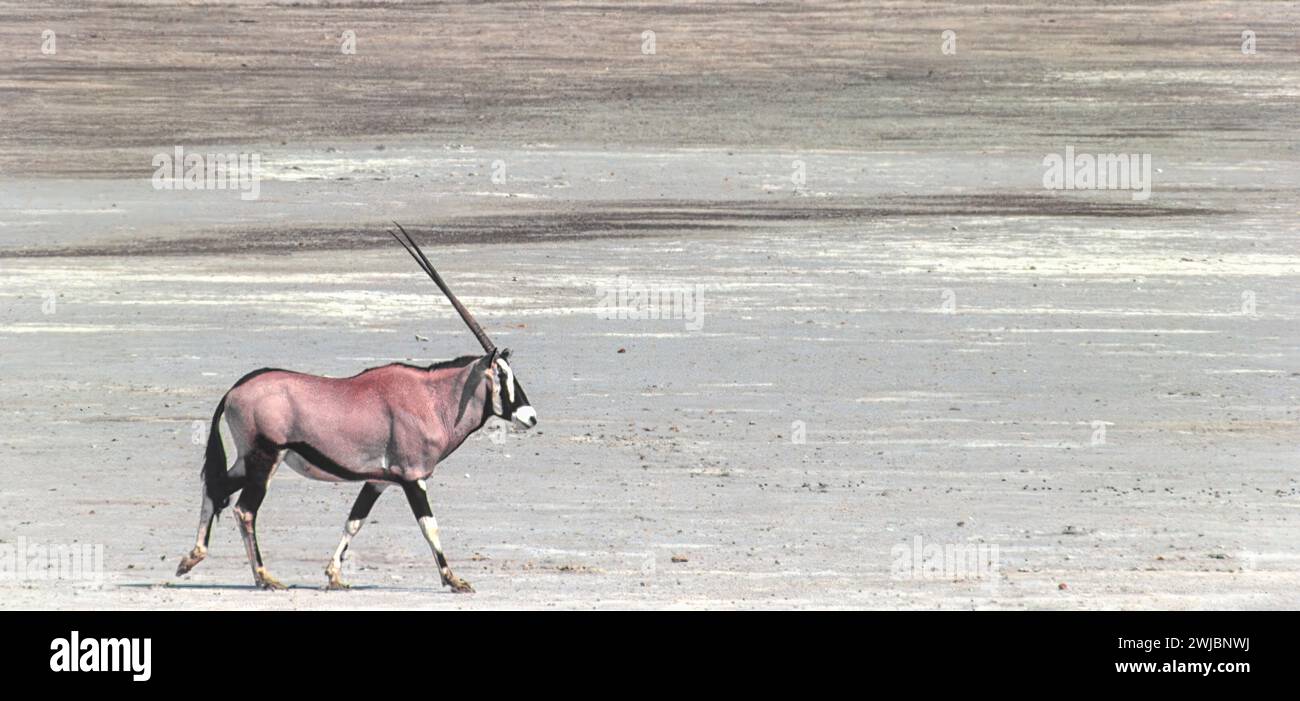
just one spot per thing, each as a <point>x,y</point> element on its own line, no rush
<point>152,651</point>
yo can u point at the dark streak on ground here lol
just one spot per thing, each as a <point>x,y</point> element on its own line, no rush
<point>634,219</point>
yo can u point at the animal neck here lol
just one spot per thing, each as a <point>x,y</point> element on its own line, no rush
<point>470,407</point>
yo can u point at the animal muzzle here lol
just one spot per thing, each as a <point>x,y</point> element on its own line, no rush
<point>525,417</point>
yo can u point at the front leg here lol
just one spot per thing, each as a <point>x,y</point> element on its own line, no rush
<point>418,496</point>
<point>360,511</point>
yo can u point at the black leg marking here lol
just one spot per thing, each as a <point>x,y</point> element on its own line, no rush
<point>260,465</point>
<point>356,518</point>
<point>365,501</point>
<point>418,497</point>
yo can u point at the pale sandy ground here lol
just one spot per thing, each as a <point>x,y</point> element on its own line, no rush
<point>823,305</point>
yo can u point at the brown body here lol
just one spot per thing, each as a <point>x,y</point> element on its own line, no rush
<point>381,425</point>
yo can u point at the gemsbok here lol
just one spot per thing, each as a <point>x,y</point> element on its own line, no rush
<point>387,425</point>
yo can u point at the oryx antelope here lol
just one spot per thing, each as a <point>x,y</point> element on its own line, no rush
<point>388,425</point>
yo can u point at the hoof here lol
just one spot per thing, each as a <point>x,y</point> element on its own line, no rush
<point>336,580</point>
<point>189,561</point>
<point>266,581</point>
<point>459,585</point>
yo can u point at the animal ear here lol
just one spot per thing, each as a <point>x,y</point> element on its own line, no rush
<point>505,354</point>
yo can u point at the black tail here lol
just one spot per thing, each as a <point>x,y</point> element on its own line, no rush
<point>214,465</point>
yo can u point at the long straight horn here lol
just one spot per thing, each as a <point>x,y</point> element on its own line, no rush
<point>423,262</point>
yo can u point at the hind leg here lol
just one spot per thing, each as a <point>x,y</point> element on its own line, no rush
<point>261,466</point>
<point>208,513</point>
<point>360,510</point>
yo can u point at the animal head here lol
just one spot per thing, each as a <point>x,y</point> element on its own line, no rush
<point>508,398</point>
